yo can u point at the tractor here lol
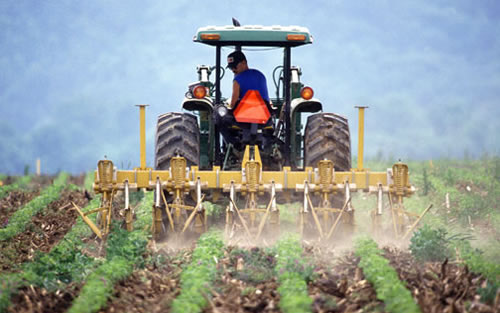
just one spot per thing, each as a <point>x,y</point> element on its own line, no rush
<point>280,158</point>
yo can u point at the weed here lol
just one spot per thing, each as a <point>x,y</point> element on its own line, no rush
<point>258,265</point>
<point>428,244</point>
<point>213,209</point>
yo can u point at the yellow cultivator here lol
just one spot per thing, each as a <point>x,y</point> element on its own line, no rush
<point>326,195</point>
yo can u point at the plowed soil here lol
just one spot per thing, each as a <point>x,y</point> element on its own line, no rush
<point>38,300</point>
<point>247,284</point>
<point>440,287</point>
<point>12,202</point>
<point>45,230</point>
<point>151,289</point>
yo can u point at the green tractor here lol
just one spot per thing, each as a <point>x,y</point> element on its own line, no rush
<point>197,138</point>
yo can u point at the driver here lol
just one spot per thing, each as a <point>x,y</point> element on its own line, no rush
<point>245,78</point>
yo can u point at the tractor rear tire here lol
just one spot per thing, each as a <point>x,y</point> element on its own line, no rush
<point>327,137</point>
<point>177,134</point>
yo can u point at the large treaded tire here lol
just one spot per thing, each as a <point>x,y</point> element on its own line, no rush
<point>177,134</point>
<point>327,137</point>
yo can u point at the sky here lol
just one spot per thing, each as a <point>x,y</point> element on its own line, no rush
<point>73,71</point>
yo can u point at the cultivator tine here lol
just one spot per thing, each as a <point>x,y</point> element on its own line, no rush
<point>91,224</point>
<point>264,218</point>
<point>416,222</point>
<point>241,219</point>
<point>168,212</point>
<point>193,214</point>
<point>315,217</point>
<point>332,229</point>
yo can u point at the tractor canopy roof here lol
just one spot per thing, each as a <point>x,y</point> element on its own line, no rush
<point>254,35</point>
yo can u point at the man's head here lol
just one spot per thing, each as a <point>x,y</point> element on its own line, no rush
<point>237,62</point>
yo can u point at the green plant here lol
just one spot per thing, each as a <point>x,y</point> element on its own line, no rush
<point>19,220</point>
<point>213,209</point>
<point>63,264</point>
<point>426,183</point>
<point>99,286</point>
<point>124,251</point>
<point>428,244</point>
<point>476,263</point>
<point>293,270</point>
<point>20,183</point>
<point>258,264</point>
<point>199,274</point>
<point>89,180</point>
<point>384,278</point>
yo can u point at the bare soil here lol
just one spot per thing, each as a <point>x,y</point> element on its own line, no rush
<point>153,288</point>
<point>38,300</point>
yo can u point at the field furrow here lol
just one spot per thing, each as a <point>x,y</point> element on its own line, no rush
<point>20,219</point>
<point>44,231</point>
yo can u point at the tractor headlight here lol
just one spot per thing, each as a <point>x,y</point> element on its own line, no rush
<point>222,110</point>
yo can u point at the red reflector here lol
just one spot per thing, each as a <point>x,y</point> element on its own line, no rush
<point>252,109</point>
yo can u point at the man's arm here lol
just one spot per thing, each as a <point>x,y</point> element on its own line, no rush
<point>236,93</point>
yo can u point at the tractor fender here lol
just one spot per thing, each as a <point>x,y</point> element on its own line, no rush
<point>192,104</point>
<point>302,105</point>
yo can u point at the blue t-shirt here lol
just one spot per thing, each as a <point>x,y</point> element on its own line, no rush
<point>252,79</point>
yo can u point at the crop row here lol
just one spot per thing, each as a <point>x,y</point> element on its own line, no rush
<point>198,275</point>
<point>19,220</point>
<point>389,288</point>
<point>293,272</point>
<point>124,251</point>
<point>66,263</point>
<point>63,264</point>
<point>20,183</point>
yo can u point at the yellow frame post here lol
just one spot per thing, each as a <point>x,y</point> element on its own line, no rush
<point>142,117</point>
<point>361,137</point>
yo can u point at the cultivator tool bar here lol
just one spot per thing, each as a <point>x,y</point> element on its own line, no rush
<point>326,193</point>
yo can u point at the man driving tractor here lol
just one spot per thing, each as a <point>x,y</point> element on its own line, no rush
<point>250,89</point>
<point>245,78</point>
